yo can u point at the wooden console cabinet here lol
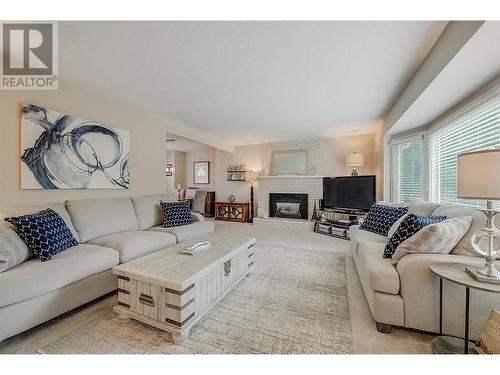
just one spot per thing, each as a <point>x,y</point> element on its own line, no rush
<point>232,211</point>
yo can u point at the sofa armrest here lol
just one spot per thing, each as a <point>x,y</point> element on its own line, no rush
<point>197,217</point>
<point>414,268</point>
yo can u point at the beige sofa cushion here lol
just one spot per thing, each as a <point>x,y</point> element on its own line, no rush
<point>438,238</point>
<point>34,277</point>
<point>382,274</point>
<point>94,218</point>
<point>187,232</point>
<point>13,250</point>
<point>148,209</point>
<point>359,235</point>
<point>135,244</point>
<point>57,207</point>
<point>420,207</point>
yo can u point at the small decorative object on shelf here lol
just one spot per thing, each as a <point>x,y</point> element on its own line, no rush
<point>236,172</point>
<point>489,338</point>
<point>237,168</point>
<point>231,198</point>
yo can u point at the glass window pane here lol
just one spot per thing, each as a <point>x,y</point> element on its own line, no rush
<point>407,170</point>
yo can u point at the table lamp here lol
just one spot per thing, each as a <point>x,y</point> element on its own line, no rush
<point>478,177</point>
<point>252,177</point>
<point>355,160</point>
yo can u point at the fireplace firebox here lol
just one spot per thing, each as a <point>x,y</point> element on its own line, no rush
<point>288,205</point>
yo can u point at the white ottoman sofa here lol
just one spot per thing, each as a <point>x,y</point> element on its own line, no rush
<point>109,232</point>
<point>407,295</point>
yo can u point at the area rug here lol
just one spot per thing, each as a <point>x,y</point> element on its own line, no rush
<point>295,301</point>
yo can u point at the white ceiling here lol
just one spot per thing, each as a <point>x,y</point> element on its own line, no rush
<point>474,65</point>
<point>250,81</point>
<point>186,145</point>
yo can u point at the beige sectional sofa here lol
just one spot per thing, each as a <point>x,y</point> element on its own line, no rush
<point>407,295</point>
<point>110,232</point>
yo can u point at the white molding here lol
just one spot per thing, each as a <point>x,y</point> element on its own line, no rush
<point>288,176</point>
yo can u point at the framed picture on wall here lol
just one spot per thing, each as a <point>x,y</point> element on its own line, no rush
<point>168,170</point>
<point>62,151</point>
<point>201,172</point>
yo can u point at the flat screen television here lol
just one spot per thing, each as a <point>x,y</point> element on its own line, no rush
<point>350,192</point>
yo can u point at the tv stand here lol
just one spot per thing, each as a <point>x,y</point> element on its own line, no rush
<point>338,222</point>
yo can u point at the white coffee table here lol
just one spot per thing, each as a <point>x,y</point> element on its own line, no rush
<point>172,291</point>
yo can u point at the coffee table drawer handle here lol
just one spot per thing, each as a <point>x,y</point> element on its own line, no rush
<point>227,268</point>
<point>146,300</point>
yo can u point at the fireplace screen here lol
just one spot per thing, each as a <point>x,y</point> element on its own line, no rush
<point>288,205</point>
<point>287,209</point>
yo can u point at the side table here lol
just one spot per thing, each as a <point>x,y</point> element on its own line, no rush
<point>456,274</point>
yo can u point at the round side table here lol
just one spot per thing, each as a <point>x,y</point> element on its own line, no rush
<point>456,273</point>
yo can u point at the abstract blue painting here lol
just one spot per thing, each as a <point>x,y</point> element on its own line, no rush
<point>61,151</point>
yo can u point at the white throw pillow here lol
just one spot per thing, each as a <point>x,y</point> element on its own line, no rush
<point>13,250</point>
<point>438,238</point>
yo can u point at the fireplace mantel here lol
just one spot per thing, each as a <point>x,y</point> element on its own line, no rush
<point>289,176</point>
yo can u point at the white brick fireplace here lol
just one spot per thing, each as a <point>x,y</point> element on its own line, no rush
<point>310,185</point>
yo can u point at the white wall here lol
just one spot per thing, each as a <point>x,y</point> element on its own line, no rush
<point>147,148</point>
<point>334,150</point>
<point>180,169</point>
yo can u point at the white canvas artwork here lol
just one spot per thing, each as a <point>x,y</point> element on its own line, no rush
<point>60,151</point>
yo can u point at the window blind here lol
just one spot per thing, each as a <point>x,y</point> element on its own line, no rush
<point>407,169</point>
<point>476,130</point>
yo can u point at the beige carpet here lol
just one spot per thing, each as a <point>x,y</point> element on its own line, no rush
<point>295,301</point>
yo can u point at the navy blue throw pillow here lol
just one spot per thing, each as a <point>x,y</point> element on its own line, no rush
<point>176,213</point>
<point>410,225</point>
<point>381,217</point>
<point>45,233</point>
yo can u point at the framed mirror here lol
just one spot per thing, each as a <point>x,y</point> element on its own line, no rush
<point>289,162</point>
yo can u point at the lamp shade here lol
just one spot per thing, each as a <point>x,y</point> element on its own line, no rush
<point>478,175</point>
<point>251,176</point>
<point>355,160</point>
